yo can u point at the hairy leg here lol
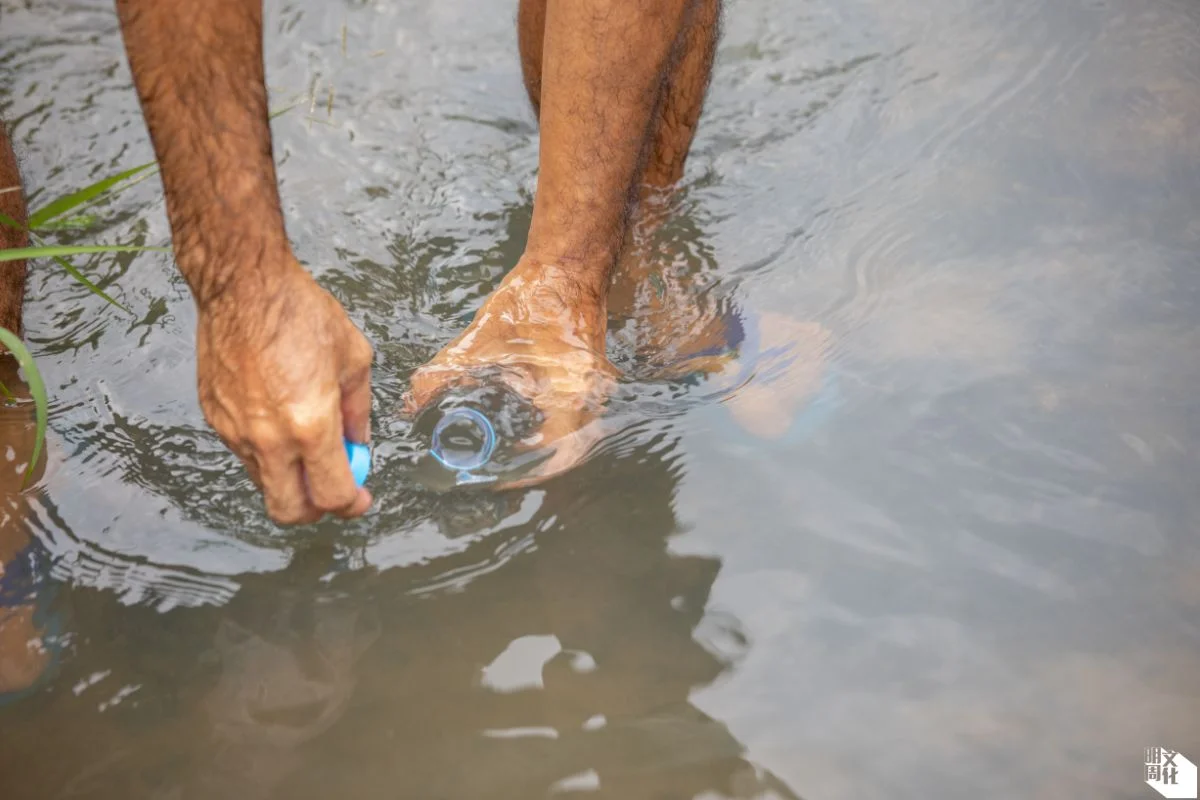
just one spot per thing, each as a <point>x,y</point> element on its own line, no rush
<point>22,656</point>
<point>12,204</point>
<point>606,68</point>
<point>665,313</point>
<point>683,102</point>
<point>685,84</point>
<point>673,130</point>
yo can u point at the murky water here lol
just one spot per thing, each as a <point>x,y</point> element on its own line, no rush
<point>977,572</point>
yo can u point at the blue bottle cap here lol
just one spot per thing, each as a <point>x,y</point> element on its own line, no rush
<point>360,461</point>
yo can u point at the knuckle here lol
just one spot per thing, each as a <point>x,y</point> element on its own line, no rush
<point>361,351</point>
<point>425,383</point>
<point>308,434</point>
<point>221,423</point>
<point>408,404</point>
<point>309,423</point>
<point>268,442</point>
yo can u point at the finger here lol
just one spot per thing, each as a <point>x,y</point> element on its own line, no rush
<point>429,382</point>
<point>284,491</point>
<point>330,483</point>
<point>423,385</point>
<point>572,442</point>
<point>252,469</point>
<point>408,405</point>
<point>356,391</point>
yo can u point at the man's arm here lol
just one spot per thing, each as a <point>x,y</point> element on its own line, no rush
<point>606,65</point>
<point>282,371</point>
<point>600,74</point>
<point>198,68</point>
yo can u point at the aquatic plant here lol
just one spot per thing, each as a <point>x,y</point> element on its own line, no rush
<point>67,213</point>
<point>61,213</point>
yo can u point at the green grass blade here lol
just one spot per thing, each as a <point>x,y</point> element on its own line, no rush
<point>52,250</point>
<point>117,190</point>
<point>5,219</point>
<point>7,394</point>
<point>36,388</point>
<point>58,207</point>
<point>75,223</point>
<point>93,288</point>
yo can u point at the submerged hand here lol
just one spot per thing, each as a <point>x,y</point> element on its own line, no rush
<point>284,375</point>
<point>543,333</point>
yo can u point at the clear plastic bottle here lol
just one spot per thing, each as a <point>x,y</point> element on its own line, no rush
<point>475,435</point>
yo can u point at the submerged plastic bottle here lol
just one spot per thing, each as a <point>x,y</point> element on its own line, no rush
<point>476,433</point>
<point>464,440</point>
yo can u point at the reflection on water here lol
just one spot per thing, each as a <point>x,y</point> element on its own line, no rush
<point>559,651</point>
<point>945,545</point>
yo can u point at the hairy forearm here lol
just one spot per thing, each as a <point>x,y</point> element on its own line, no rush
<point>198,69</point>
<point>604,70</point>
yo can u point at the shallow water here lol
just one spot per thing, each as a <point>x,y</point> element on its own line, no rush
<point>979,574</point>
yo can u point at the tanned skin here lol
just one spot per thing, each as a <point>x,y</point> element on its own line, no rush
<point>283,374</point>
<point>12,273</point>
<point>282,371</point>
<point>22,657</point>
<point>618,87</point>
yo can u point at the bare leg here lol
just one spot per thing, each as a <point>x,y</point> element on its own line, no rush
<point>685,87</point>
<point>670,317</point>
<point>22,657</point>
<point>12,273</point>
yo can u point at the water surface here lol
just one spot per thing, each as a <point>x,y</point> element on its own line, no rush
<point>979,575</point>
